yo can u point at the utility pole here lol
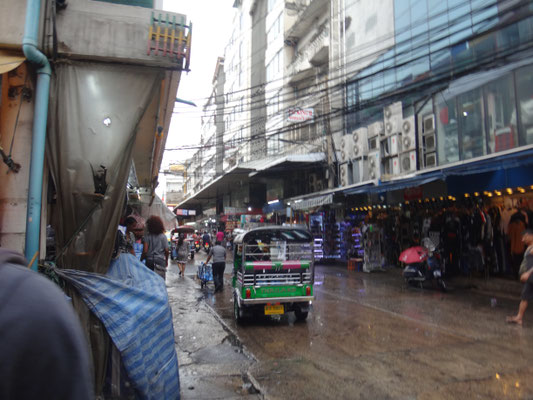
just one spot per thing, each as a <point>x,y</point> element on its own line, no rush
<point>330,146</point>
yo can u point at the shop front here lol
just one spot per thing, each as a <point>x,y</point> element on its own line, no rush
<point>474,214</point>
<point>323,215</point>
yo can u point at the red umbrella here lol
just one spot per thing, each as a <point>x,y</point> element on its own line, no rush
<point>413,255</point>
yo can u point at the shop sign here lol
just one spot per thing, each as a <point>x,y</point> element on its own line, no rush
<point>210,211</point>
<point>301,114</point>
<point>414,193</point>
<point>181,211</point>
<point>312,202</point>
<point>235,210</point>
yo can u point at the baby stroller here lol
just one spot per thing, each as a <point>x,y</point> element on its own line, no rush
<point>204,273</point>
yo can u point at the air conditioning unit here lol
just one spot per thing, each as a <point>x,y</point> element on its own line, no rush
<point>312,182</point>
<point>428,124</point>
<point>360,143</point>
<point>374,165</point>
<point>391,166</point>
<point>346,148</point>
<point>360,170</point>
<point>408,134</point>
<point>376,129</point>
<point>430,160</point>
<point>392,118</point>
<point>390,146</point>
<point>408,162</point>
<point>430,142</point>
<point>345,172</point>
<point>373,143</point>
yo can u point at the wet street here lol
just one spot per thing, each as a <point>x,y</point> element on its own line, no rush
<point>368,336</point>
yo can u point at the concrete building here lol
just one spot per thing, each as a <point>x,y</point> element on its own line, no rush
<point>431,75</point>
<point>100,37</point>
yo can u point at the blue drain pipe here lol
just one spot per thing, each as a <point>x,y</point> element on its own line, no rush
<point>42,92</point>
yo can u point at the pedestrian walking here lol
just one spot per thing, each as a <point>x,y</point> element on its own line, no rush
<point>155,246</point>
<point>130,223</point>
<point>44,351</point>
<point>525,273</point>
<point>183,254</point>
<point>218,253</point>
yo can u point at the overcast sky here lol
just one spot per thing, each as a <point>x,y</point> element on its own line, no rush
<point>212,24</point>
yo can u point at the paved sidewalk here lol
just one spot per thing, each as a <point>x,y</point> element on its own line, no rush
<point>212,362</point>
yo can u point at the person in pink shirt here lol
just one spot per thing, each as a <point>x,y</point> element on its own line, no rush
<point>220,236</point>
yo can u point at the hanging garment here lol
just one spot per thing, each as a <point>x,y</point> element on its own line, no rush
<point>516,229</point>
<point>505,219</point>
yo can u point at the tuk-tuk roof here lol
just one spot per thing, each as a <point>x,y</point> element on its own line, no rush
<point>275,231</point>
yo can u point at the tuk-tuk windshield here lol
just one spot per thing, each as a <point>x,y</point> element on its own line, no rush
<point>269,235</point>
<point>277,245</point>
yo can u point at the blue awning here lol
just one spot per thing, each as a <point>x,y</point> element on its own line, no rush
<point>509,170</point>
<point>398,184</point>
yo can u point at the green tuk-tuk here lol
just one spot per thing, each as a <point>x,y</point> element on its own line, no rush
<point>273,272</point>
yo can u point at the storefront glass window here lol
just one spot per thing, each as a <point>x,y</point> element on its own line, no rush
<point>500,105</point>
<point>471,118</point>
<point>525,30</point>
<point>447,130</point>
<point>524,87</point>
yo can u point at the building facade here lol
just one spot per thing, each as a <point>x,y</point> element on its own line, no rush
<point>115,61</point>
<point>386,91</point>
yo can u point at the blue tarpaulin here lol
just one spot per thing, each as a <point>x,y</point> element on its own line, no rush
<point>132,303</point>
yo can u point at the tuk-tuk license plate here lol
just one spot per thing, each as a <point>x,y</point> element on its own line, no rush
<point>276,309</point>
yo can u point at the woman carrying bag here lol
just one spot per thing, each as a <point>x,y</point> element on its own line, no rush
<point>155,246</point>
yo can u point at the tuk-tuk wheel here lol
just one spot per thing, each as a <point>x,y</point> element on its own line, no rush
<point>300,315</point>
<point>237,310</point>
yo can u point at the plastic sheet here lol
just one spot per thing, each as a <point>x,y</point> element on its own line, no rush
<point>94,114</point>
<point>132,303</point>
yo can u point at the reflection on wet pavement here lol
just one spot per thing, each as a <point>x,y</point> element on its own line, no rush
<point>369,336</point>
<point>211,360</point>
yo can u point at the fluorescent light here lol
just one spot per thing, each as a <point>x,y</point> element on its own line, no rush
<point>273,201</point>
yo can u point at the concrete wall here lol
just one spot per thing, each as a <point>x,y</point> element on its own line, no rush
<point>14,186</point>
<point>258,78</point>
<point>98,30</point>
<point>12,18</point>
<point>219,117</point>
<point>370,32</point>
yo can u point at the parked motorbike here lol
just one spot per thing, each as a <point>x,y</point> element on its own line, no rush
<point>423,263</point>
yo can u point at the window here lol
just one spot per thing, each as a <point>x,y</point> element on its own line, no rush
<point>275,29</point>
<point>447,131</point>
<point>271,4</point>
<point>471,117</point>
<point>274,67</point>
<point>501,104</point>
<point>524,87</point>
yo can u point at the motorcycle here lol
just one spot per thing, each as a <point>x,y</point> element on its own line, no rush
<point>206,247</point>
<point>423,263</point>
<point>197,245</point>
